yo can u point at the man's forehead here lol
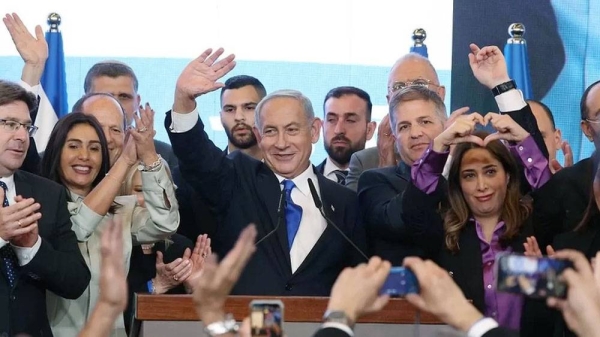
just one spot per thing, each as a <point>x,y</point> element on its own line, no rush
<point>108,84</point>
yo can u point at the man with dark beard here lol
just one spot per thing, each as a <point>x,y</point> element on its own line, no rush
<point>239,97</point>
<point>346,128</point>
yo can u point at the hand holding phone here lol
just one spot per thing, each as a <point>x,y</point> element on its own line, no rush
<point>401,281</point>
<point>266,318</point>
<point>536,277</point>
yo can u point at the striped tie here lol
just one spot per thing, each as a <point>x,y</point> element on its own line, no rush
<point>7,253</point>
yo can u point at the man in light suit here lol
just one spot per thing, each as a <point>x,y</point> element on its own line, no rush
<point>38,249</point>
<point>347,126</point>
<point>298,254</point>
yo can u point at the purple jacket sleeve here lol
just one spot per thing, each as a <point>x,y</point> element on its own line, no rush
<point>425,172</point>
<point>536,167</point>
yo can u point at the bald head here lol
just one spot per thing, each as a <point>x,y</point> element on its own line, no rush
<point>411,67</point>
<point>109,113</point>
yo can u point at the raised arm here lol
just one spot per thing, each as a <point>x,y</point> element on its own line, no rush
<point>489,67</point>
<point>202,164</point>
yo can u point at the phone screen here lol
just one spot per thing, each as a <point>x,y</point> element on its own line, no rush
<point>531,276</point>
<point>400,281</point>
<point>266,318</point>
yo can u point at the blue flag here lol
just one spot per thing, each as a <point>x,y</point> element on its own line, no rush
<point>54,79</point>
<point>517,62</point>
<point>420,49</point>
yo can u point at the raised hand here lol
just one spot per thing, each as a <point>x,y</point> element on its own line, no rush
<point>200,77</point>
<point>581,308</point>
<point>143,135</point>
<point>454,115</point>
<point>33,49</point>
<point>385,143</point>
<point>568,154</point>
<point>506,128</point>
<point>440,296</point>
<point>113,280</point>
<point>169,276</point>
<point>488,65</point>
<point>201,251</point>
<point>369,278</point>
<point>217,279</point>
<point>459,132</point>
<point>532,248</point>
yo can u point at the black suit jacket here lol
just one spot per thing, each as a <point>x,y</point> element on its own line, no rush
<point>166,152</point>
<point>421,212</point>
<point>560,204</point>
<point>241,190</point>
<point>380,195</point>
<point>58,265</point>
<point>321,167</point>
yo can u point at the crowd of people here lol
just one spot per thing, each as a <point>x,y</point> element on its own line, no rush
<point>106,211</point>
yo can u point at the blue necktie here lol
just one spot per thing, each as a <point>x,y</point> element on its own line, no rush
<point>293,212</point>
<point>7,253</point>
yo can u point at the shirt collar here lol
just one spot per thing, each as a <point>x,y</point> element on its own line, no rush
<point>9,181</point>
<point>301,180</point>
<point>330,166</point>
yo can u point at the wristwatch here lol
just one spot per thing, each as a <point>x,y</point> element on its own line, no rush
<point>504,87</point>
<point>227,325</point>
<point>335,316</point>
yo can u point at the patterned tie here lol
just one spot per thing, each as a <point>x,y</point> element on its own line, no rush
<point>7,253</point>
<point>293,212</point>
<point>341,176</point>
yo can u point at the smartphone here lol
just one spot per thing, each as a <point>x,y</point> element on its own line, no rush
<point>266,318</point>
<point>401,281</point>
<point>531,276</point>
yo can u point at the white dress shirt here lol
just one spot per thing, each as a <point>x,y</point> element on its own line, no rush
<point>312,224</point>
<point>24,254</point>
<point>330,166</point>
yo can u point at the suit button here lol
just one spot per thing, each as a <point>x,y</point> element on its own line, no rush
<point>288,287</point>
<point>13,297</point>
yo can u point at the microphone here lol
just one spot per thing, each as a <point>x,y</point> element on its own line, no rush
<point>319,205</point>
<point>279,217</point>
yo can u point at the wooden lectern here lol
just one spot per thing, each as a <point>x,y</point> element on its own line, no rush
<point>297,309</point>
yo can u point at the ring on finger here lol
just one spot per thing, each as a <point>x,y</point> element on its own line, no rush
<point>19,223</point>
<point>144,129</point>
<point>175,278</point>
<point>203,255</point>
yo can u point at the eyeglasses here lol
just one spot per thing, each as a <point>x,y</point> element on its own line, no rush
<point>420,82</point>
<point>14,126</point>
<point>593,121</point>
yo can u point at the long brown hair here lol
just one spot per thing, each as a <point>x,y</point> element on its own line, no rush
<point>514,209</point>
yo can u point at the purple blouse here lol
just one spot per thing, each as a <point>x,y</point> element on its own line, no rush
<point>425,173</point>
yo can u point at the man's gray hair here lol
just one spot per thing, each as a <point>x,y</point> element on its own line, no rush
<point>286,93</point>
<point>413,93</point>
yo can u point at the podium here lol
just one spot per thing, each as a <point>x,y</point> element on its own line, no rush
<point>300,313</point>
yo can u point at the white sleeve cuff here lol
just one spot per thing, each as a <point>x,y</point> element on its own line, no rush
<point>481,327</point>
<point>181,123</point>
<point>3,243</point>
<point>26,254</point>
<point>511,100</point>
<point>339,326</point>
<point>33,89</point>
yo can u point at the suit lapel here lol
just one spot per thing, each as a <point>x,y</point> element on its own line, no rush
<point>472,268</point>
<point>333,213</point>
<point>271,192</point>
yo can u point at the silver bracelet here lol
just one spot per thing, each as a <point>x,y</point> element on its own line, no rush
<point>152,167</point>
<point>227,325</point>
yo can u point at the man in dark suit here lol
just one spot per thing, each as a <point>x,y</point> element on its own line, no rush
<point>417,117</point>
<point>347,126</point>
<point>38,250</point>
<point>239,97</point>
<point>297,253</point>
